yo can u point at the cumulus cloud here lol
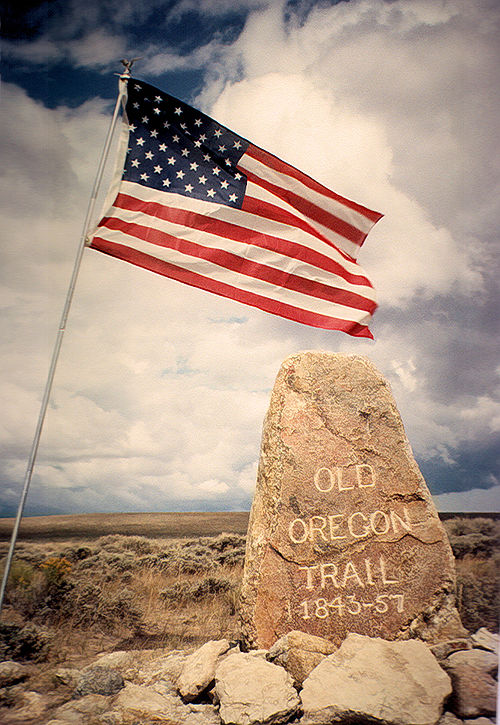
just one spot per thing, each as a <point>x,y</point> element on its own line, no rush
<point>161,389</point>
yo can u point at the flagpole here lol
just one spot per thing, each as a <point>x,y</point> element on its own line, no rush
<point>123,77</point>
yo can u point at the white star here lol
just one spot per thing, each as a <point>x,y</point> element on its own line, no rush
<point>206,157</point>
<point>158,99</point>
<point>210,192</point>
<point>222,149</point>
<point>132,127</point>
<point>154,134</point>
<point>185,152</point>
<point>228,162</point>
<point>193,166</point>
<point>156,110</point>
<point>175,138</point>
<point>189,188</point>
<point>232,197</point>
<point>144,177</point>
<point>136,105</point>
<point>149,155</point>
<point>140,141</point>
<point>202,179</point>
<point>178,111</point>
<point>166,182</point>
<point>237,145</point>
<point>145,119</point>
<point>158,169</point>
<point>224,184</point>
<point>137,87</point>
<point>166,124</point>
<point>197,144</point>
<point>237,176</point>
<point>197,122</point>
<point>171,160</point>
<point>216,171</point>
<point>203,137</point>
<point>218,133</point>
<point>180,174</point>
<point>183,126</point>
<point>135,163</point>
<point>163,147</point>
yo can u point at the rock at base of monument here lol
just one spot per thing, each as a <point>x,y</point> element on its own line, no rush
<point>473,673</point>
<point>251,690</point>
<point>299,653</point>
<point>376,681</point>
<point>343,534</point>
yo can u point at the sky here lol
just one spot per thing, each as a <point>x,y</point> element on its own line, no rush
<point>161,389</point>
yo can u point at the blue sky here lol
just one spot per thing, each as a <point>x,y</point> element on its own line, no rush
<point>161,389</point>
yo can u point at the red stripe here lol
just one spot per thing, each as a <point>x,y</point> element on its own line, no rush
<point>233,262</point>
<point>313,211</point>
<point>274,163</point>
<point>237,233</point>
<point>266,210</point>
<point>249,298</point>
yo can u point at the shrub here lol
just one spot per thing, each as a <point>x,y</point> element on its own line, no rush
<point>194,591</point>
<point>23,643</point>
<point>21,574</point>
<point>477,593</point>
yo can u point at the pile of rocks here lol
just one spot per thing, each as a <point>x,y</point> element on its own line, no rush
<point>301,679</point>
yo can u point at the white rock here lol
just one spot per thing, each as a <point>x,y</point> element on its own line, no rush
<point>199,669</point>
<point>11,672</point>
<point>137,702</point>
<point>396,683</point>
<point>484,639</point>
<point>252,691</point>
<point>78,711</point>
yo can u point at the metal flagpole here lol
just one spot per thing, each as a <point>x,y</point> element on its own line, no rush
<point>62,325</point>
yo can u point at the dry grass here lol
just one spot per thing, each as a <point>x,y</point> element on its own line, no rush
<point>122,591</point>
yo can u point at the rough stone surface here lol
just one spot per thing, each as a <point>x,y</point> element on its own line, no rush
<point>68,676</point>
<point>129,662</point>
<point>138,703</point>
<point>252,691</point>
<point>299,653</point>
<point>384,682</point>
<point>343,534</point>
<point>29,707</point>
<point>99,681</point>
<point>442,650</point>
<point>474,687</point>
<point>199,669</point>
<point>484,639</point>
<point>165,668</point>
<point>79,711</point>
<point>12,672</point>
<point>448,718</point>
<point>479,721</point>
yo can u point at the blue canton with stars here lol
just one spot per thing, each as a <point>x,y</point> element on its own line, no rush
<point>173,147</point>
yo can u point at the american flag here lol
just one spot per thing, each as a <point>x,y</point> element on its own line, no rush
<point>201,205</point>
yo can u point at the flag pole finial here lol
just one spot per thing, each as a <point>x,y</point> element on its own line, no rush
<point>128,66</point>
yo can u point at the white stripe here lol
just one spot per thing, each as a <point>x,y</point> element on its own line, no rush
<point>248,252</point>
<point>241,219</point>
<point>351,216</point>
<point>258,192</point>
<point>239,281</point>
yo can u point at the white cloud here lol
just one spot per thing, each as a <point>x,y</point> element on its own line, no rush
<point>478,500</point>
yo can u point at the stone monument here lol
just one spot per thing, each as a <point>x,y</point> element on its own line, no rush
<point>343,534</point>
